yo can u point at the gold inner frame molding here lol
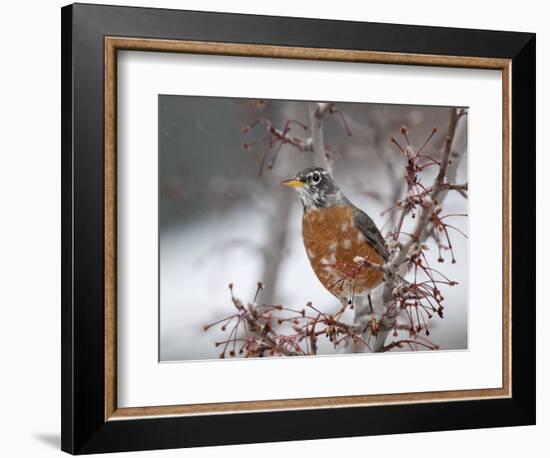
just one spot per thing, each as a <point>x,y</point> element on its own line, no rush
<point>114,44</point>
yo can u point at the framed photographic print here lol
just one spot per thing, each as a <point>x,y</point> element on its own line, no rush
<point>282,228</point>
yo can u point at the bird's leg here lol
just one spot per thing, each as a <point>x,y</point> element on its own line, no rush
<point>344,303</point>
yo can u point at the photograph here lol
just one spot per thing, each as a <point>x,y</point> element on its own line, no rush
<point>310,228</point>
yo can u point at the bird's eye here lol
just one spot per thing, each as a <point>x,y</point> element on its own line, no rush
<point>316,177</point>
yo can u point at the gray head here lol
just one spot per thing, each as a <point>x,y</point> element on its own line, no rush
<point>316,189</point>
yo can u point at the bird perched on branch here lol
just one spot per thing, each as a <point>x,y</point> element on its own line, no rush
<point>343,244</point>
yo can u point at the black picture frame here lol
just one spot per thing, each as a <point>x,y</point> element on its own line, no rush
<point>84,427</point>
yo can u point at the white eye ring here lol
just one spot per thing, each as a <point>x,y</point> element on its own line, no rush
<point>316,177</point>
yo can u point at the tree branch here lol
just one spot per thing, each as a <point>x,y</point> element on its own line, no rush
<point>316,112</point>
<point>392,278</point>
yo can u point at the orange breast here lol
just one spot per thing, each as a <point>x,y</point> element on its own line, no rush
<point>333,243</point>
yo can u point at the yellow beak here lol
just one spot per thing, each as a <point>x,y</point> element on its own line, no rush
<point>293,183</point>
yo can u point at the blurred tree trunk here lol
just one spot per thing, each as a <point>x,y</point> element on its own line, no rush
<point>277,221</point>
<point>275,245</point>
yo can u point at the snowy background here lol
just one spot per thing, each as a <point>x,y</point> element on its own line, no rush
<point>221,223</point>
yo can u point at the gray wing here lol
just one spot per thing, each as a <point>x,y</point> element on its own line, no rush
<point>370,231</point>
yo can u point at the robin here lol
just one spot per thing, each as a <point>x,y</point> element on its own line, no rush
<point>342,242</point>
